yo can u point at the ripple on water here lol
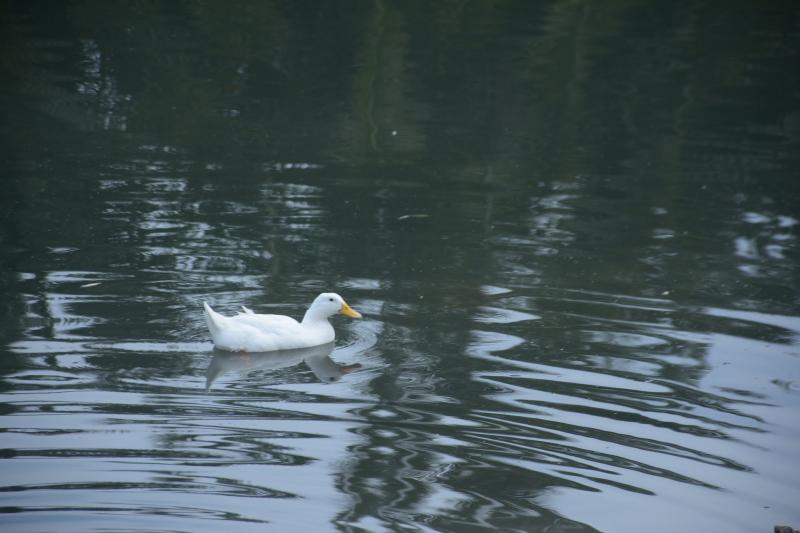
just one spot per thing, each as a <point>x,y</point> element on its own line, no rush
<point>607,394</point>
<point>47,378</point>
<point>606,412</point>
<point>499,315</point>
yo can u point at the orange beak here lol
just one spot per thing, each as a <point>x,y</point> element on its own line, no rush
<point>346,310</point>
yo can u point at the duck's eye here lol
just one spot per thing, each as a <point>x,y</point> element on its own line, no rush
<point>330,299</point>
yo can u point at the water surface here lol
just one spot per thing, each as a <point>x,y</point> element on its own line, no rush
<point>571,229</point>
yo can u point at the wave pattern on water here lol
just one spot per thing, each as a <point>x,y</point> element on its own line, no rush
<point>571,229</point>
<point>551,394</point>
<point>449,405</point>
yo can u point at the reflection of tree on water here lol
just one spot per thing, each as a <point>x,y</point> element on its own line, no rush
<point>460,436</point>
<point>568,106</point>
<point>423,458</point>
<point>420,462</point>
<point>317,358</point>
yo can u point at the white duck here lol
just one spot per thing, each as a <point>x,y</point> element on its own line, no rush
<point>251,332</point>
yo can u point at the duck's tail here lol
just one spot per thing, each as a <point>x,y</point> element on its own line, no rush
<point>214,321</point>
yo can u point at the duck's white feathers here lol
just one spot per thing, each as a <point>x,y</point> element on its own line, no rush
<point>252,332</point>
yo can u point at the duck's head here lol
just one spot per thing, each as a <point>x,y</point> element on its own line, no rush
<point>330,303</point>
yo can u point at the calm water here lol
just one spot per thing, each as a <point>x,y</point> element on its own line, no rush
<point>572,229</point>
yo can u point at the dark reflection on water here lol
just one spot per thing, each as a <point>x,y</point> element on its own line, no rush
<point>571,229</point>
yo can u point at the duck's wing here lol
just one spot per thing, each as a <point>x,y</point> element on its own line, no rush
<point>275,324</point>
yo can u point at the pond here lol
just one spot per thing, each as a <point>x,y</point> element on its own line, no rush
<point>571,229</point>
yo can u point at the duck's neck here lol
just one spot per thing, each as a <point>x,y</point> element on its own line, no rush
<point>314,316</point>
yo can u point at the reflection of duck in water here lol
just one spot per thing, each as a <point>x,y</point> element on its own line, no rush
<point>317,358</point>
<point>252,332</point>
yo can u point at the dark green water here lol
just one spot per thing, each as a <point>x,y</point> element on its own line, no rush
<point>571,226</point>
